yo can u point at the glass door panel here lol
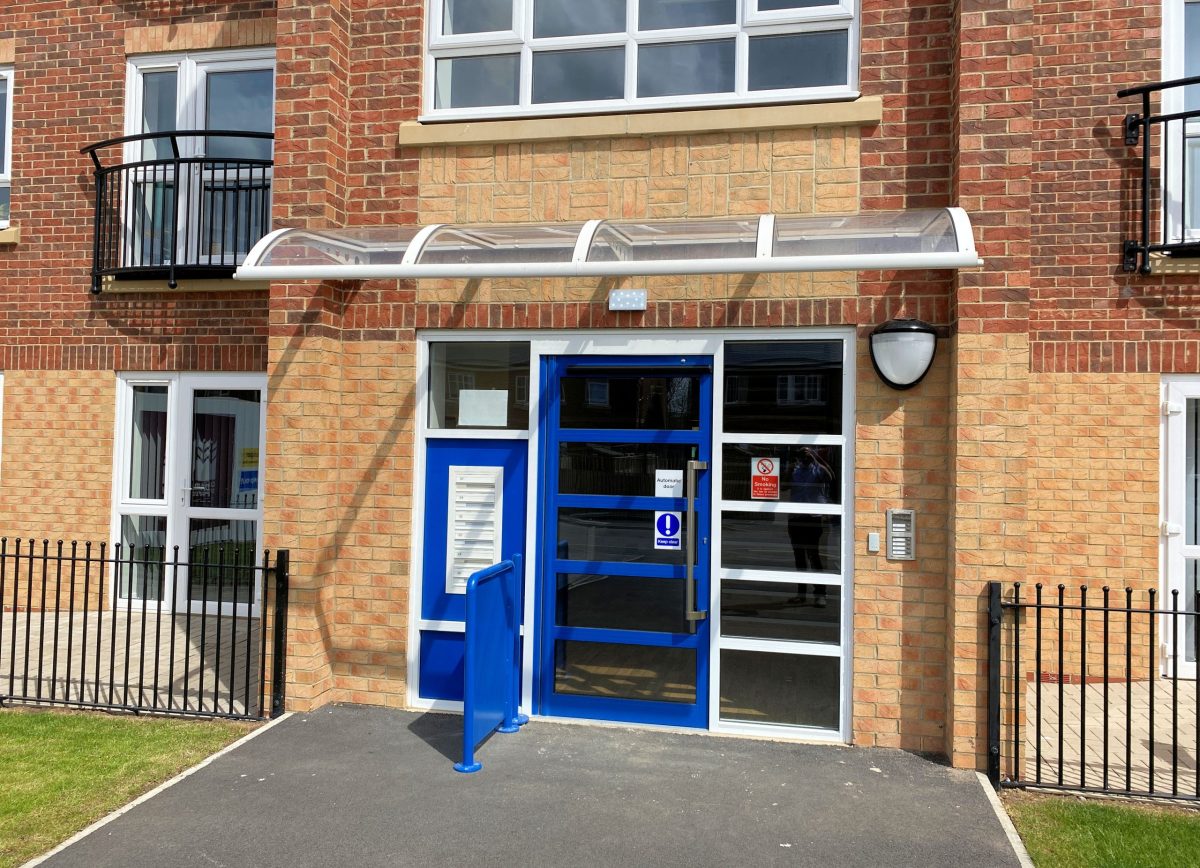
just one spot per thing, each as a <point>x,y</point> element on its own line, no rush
<point>621,603</point>
<point>240,100</point>
<point>618,468</point>
<point>791,689</point>
<point>225,428</point>
<point>143,551</point>
<point>222,555</point>
<point>148,443</point>
<point>623,671</point>
<point>219,521</point>
<point>235,198</point>
<point>617,535</point>
<point>628,442</point>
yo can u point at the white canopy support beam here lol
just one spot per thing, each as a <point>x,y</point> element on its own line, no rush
<point>918,239</point>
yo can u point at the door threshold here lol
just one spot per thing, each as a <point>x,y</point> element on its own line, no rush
<point>772,735</point>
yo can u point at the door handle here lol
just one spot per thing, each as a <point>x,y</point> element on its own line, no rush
<point>692,614</point>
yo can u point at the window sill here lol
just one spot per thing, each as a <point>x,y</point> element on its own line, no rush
<point>1160,264</point>
<point>108,286</point>
<point>862,111</point>
<point>10,235</point>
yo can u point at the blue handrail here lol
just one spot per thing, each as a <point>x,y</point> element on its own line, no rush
<point>492,657</point>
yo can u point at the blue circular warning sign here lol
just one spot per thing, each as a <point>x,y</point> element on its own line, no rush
<point>668,524</point>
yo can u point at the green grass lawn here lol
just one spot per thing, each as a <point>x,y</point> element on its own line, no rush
<point>60,771</point>
<point>1068,832</point>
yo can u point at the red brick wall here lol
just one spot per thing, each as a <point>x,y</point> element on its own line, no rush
<point>70,92</point>
<point>1086,314</point>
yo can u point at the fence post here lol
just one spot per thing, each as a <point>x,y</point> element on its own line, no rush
<point>279,642</point>
<point>995,613</point>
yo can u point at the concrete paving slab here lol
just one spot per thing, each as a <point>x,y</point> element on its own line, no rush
<point>350,785</point>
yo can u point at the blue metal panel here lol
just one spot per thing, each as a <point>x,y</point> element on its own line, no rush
<point>623,435</point>
<point>628,637</point>
<point>442,655</point>
<point>601,501</point>
<point>613,568</point>
<point>491,681</point>
<point>440,455</point>
<point>441,666</point>
<point>552,561</point>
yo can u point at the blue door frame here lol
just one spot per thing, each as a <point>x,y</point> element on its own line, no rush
<point>555,557</point>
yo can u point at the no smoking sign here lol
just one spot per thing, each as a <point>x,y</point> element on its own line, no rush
<point>764,478</point>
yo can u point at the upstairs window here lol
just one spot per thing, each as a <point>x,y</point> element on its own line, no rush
<point>528,57</point>
<point>6,91</point>
<point>226,90</point>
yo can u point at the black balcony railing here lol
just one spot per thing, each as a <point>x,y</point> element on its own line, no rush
<point>1169,219</point>
<point>190,203</point>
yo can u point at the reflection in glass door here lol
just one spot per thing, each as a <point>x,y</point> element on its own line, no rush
<point>235,201</point>
<point>221,509</point>
<point>627,452</point>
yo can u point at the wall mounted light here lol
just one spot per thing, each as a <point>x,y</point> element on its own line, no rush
<point>902,351</point>
<point>627,299</point>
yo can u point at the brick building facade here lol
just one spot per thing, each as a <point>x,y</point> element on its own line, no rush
<point>1033,451</point>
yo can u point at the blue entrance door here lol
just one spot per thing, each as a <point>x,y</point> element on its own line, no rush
<point>624,575</point>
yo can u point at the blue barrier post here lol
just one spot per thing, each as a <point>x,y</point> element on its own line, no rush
<point>492,657</point>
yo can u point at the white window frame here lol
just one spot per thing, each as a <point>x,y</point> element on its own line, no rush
<point>191,69</point>
<point>8,74</point>
<point>843,15</point>
<point>1174,551</point>
<point>176,480</point>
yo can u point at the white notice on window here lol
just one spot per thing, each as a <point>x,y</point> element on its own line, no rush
<point>668,483</point>
<point>482,408</point>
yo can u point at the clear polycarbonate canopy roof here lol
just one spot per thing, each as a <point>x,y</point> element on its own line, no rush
<point>929,238</point>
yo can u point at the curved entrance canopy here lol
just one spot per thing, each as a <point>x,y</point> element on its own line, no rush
<point>931,238</point>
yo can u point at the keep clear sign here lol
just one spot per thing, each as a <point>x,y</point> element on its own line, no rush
<point>667,526</point>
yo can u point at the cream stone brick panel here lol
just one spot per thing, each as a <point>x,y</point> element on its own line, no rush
<point>199,36</point>
<point>8,50</point>
<point>56,467</point>
<point>901,460</point>
<point>300,508</point>
<point>366,542</point>
<point>1094,467</point>
<point>990,385</point>
<point>680,176</point>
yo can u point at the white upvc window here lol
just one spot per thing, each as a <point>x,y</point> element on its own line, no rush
<point>6,112</point>
<point>213,90</point>
<point>492,58</point>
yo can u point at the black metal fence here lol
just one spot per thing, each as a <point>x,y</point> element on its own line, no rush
<point>91,626</point>
<point>1168,218</point>
<point>184,203</point>
<point>1094,691</point>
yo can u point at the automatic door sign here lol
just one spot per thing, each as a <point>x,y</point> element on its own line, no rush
<point>667,526</point>
<point>764,479</point>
